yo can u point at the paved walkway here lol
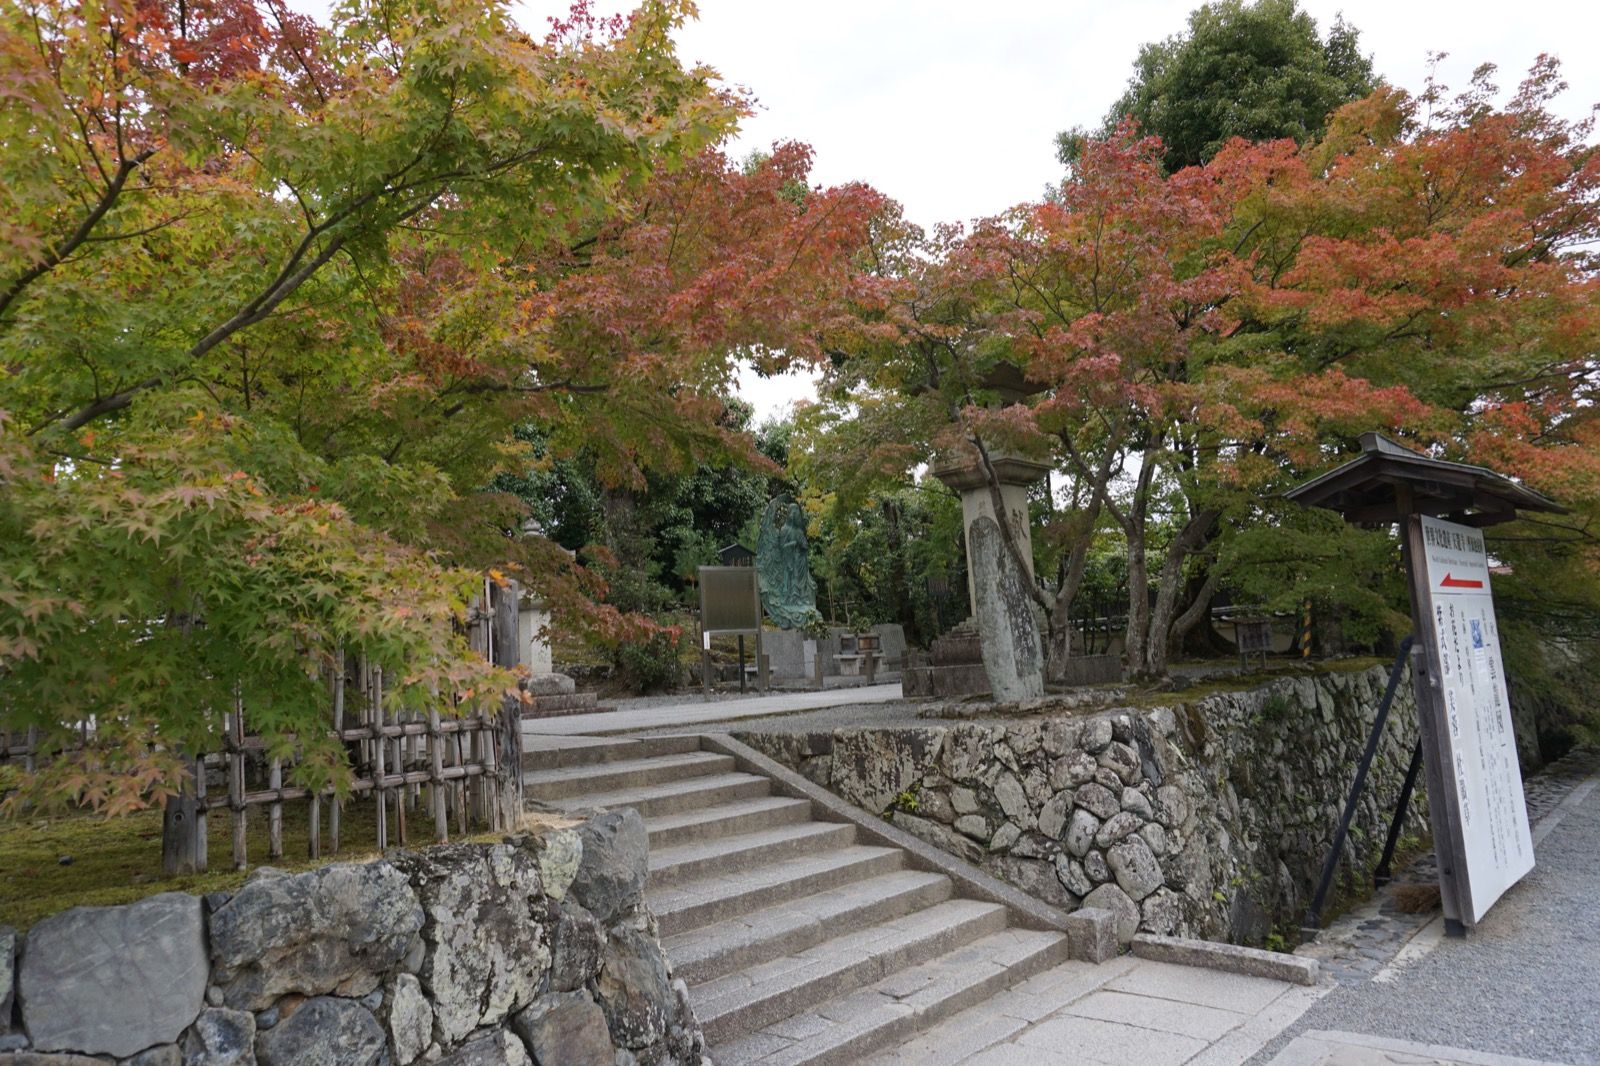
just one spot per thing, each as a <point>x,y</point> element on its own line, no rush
<point>704,713</point>
<point>1128,1012</point>
<point>1521,986</point>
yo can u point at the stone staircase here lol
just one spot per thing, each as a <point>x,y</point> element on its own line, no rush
<point>800,943</point>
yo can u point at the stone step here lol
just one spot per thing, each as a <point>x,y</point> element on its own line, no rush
<point>707,858</point>
<point>566,781</point>
<point>695,904</point>
<point>788,928</point>
<point>542,751</point>
<point>675,797</point>
<point>846,1029</point>
<point>713,823</point>
<point>748,1000</point>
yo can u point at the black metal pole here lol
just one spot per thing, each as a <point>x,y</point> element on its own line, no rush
<point>741,664</point>
<point>1381,876</point>
<point>1313,918</point>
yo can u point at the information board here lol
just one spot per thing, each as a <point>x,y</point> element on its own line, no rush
<point>1478,746</point>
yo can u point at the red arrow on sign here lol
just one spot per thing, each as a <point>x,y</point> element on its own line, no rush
<point>1459,583</point>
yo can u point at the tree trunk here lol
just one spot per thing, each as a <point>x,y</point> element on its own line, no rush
<point>1162,620</point>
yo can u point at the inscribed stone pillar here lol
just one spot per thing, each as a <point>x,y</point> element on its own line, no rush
<point>1008,630</point>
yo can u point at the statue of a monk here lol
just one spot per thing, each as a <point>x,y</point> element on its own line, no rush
<point>783,562</point>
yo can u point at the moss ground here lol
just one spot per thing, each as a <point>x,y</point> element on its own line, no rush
<point>118,860</point>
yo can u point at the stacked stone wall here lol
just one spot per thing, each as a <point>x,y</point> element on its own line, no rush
<point>536,950</point>
<point>1207,819</point>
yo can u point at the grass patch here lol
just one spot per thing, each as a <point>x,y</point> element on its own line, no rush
<point>118,860</point>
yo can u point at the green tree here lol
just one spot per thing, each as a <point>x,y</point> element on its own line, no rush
<point>1259,71</point>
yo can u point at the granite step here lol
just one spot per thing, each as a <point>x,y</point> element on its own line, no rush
<point>789,928</point>
<point>674,797</point>
<point>564,781</point>
<point>542,751</point>
<point>699,903</point>
<point>847,1028</point>
<point>726,819</point>
<point>750,999</point>
<point>700,859</point>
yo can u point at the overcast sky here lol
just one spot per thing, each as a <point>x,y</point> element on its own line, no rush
<point>951,107</point>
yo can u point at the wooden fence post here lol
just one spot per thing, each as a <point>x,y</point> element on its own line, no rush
<point>507,647</point>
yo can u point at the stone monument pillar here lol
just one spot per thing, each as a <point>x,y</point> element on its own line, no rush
<point>1008,629</point>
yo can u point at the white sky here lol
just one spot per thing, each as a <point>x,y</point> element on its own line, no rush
<point>951,108</point>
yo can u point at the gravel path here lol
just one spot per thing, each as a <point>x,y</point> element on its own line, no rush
<point>1524,983</point>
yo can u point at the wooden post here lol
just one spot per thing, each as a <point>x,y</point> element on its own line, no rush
<point>275,811</point>
<point>436,786</point>
<point>508,654</point>
<point>338,727</point>
<point>183,827</point>
<point>380,794</point>
<point>241,855</point>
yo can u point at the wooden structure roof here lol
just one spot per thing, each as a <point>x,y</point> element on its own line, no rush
<point>1388,481</point>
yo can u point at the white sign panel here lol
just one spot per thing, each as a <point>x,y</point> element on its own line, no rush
<point>1477,734</point>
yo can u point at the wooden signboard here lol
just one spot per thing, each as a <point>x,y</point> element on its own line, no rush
<point>1475,794</point>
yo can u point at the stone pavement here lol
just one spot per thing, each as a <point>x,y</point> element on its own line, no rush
<point>1360,943</point>
<point>1326,1048</point>
<point>1520,986</point>
<point>695,713</point>
<point>1127,1012</point>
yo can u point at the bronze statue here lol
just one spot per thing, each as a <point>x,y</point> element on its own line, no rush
<point>783,563</point>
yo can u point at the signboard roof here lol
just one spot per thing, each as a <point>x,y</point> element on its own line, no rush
<point>1367,488</point>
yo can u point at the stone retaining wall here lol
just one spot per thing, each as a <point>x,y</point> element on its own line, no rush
<point>539,949</point>
<point>1206,819</point>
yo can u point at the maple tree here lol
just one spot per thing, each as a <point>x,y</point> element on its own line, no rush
<point>1202,339</point>
<point>275,299</point>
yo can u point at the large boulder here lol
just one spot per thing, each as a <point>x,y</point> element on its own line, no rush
<point>114,980</point>
<point>566,1029</point>
<point>611,875</point>
<point>324,1032</point>
<point>873,767</point>
<point>334,929</point>
<point>485,954</point>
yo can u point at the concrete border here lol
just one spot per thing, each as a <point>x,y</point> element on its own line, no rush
<point>1231,958</point>
<point>1313,1049</point>
<point>1026,911</point>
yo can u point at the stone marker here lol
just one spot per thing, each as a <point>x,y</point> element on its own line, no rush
<point>1013,655</point>
<point>114,980</point>
<point>1092,935</point>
